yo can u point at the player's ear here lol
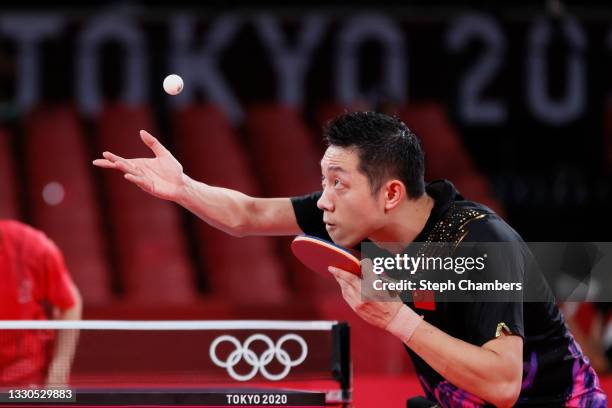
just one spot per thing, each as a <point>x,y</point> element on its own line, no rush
<point>394,192</point>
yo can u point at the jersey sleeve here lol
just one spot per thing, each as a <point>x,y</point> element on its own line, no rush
<point>309,217</point>
<point>489,320</point>
<point>500,312</point>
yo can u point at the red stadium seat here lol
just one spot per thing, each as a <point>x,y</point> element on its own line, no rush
<point>8,193</point>
<point>277,138</point>
<point>62,198</point>
<point>446,156</point>
<point>146,230</point>
<point>287,162</point>
<point>241,270</point>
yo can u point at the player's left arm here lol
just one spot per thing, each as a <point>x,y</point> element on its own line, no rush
<point>65,345</point>
<point>63,295</point>
<point>492,371</point>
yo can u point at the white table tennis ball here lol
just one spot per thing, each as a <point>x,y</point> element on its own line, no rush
<point>173,84</point>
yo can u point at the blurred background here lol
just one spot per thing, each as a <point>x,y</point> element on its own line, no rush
<point>511,102</point>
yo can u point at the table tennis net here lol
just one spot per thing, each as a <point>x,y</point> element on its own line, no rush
<point>176,353</point>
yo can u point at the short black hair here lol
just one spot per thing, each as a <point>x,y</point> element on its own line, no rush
<point>386,148</point>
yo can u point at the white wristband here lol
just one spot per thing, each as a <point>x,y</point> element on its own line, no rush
<point>404,323</point>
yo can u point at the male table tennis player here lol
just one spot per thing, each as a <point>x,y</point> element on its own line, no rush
<point>34,285</point>
<point>373,188</point>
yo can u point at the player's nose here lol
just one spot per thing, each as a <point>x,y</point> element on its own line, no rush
<point>324,203</point>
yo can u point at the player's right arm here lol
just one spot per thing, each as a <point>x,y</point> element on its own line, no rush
<point>236,213</point>
<point>228,210</point>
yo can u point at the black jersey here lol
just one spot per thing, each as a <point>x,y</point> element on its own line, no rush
<point>555,371</point>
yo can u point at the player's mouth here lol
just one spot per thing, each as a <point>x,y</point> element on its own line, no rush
<point>329,226</point>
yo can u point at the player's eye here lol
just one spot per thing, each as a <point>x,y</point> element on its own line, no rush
<point>337,183</point>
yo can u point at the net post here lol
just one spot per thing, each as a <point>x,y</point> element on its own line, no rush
<point>341,358</point>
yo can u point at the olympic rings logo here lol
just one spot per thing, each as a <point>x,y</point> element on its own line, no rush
<point>258,363</point>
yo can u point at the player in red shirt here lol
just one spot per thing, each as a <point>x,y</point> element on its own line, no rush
<point>35,285</point>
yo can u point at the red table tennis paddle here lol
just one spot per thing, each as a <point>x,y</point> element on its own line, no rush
<point>318,254</point>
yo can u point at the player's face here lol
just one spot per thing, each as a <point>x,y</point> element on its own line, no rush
<point>350,211</point>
